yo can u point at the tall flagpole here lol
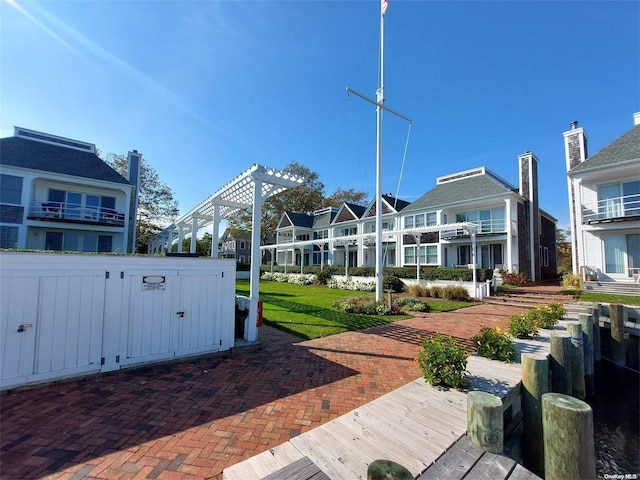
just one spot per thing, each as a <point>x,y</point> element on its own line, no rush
<point>379,110</point>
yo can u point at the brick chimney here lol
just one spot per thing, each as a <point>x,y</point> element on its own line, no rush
<point>134,161</point>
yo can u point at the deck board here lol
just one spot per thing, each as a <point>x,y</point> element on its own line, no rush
<point>416,426</point>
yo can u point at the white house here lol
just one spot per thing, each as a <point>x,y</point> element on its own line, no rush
<point>512,231</point>
<point>57,194</point>
<point>604,200</point>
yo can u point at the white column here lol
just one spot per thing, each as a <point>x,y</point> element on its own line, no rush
<point>417,237</point>
<point>180,238</point>
<point>509,253</point>
<point>194,234</point>
<point>216,231</point>
<point>474,261</point>
<point>251,331</point>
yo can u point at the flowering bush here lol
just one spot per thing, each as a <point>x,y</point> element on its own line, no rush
<point>523,326</point>
<point>571,281</point>
<point>443,361</point>
<point>495,344</point>
<point>411,304</point>
<point>295,278</point>
<point>365,306</point>
<point>352,285</point>
<point>549,315</point>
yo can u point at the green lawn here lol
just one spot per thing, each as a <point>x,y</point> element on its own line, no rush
<point>306,311</point>
<point>585,296</point>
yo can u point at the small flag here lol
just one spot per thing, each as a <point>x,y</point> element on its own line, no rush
<point>383,6</point>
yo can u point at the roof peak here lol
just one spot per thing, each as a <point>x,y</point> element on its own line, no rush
<point>53,139</point>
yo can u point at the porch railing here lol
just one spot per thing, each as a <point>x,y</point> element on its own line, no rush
<point>62,211</point>
<point>485,227</point>
<point>611,208</point>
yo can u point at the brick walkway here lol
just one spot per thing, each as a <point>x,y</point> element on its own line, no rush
<point>190,420</point>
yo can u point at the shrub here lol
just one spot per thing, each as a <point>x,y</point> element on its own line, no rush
<point>456,293</point>
<point>516,279</point>
<point>391,282</point>
<point>352,285</point>
<point>417,290</point>
<point>495,344</point>
<point>523,326</point>
<point>572,281</point>
<point>364,306</point>
<point>548,316</point>
<point>436,291</point>
<point>411,304</point>
<point>323,276</point>
<point>443,361</point>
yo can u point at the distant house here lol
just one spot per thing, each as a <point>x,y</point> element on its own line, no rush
<point>513,233</point>
<point>235,246</point>
<point>57,194</point>
<point>604,200</point>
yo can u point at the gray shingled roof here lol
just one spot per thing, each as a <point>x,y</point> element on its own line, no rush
<point>398,204</point>
<point>625,148</point>
<point>465,189</point>
<point>300,219</point>
<point>24,153</point>
<point>358,210</point>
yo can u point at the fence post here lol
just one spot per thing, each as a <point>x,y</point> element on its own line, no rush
<point>569,450</point>
<point>577,360</point>
<point>560,362</point>
<point>618,315</point>
<point>535,383</point>
<point>587,345</point>
<point>485,426</point>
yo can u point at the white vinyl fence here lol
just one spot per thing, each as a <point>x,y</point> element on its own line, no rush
<point>67,315</point>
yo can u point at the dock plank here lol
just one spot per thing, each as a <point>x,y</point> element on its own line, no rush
<point>491,467</point>
<point>521,473</point>
<point>455,462</point>
<point>301,469</point>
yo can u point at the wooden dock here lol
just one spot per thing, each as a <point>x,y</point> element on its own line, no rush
<point>412,426</point>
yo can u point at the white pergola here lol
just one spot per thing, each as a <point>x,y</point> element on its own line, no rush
<point>248,190</point>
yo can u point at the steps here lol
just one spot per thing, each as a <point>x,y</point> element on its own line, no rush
<point>612,287</point>
<point>527,299</point>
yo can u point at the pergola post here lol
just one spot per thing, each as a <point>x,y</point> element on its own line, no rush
<point>216,231</point>
<point>194,234</point>
<point>254,279</point>
<point>180,238</point>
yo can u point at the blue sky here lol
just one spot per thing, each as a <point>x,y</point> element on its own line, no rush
<point>205,89</point>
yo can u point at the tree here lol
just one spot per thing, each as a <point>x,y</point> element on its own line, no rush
<point>203,245</point>
<point>156,206</point>
<point>306,197</point>
<point>563,251</point>
<point>341,196</point>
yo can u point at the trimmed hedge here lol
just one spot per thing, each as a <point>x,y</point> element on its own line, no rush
<point>426,273</point>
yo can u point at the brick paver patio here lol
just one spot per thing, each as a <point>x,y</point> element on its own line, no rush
<point>191,419</point>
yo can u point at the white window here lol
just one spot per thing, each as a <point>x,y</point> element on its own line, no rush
<point>8,237</point>
<point>432,218</point>
<point>10,189</point>
<point>408,222</point>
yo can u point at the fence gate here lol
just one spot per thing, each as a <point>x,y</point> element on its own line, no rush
<point>51,321</point>
<point>170,314</point>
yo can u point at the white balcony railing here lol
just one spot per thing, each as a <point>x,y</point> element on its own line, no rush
<point>61,211</point>
<point>610,208</point>
<point>485,227</point>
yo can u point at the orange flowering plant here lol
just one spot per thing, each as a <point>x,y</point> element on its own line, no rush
<point>493,343</point>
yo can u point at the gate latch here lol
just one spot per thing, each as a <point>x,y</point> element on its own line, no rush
<point>23,327</point>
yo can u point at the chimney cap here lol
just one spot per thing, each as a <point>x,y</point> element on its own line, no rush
<point>574,125</point>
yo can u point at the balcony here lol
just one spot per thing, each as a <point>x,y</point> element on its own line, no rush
<point>75,213</point>
<point>612,209</point>
<point>485,227</point>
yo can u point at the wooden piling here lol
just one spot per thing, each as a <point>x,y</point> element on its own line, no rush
<point>560,362</point>
<point>485,426</point>
<point>597,311</point>
<point>569,450</point>
<point>577,360</point>
<point>618,316</point>
<point>535,383</point>
<point>587,346</point>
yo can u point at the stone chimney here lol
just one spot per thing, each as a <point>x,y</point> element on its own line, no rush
<point>529,222</point>
<point>134,162</point>
<point>575,146</point>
